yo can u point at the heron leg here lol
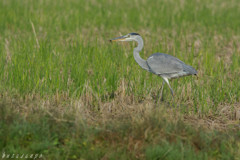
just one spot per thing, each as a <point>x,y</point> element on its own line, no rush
<point>161,93</point>
<point>166,80</point>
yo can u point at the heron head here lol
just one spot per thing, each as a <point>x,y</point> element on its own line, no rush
<point>128,37</point>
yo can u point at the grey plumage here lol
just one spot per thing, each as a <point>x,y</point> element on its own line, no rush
<point>163,65</point>
<point>168,66</point>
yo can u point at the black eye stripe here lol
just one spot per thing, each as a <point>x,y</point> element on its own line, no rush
<point>133,33</point>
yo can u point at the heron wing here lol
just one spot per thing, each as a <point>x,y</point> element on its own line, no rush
<point>160,64</point>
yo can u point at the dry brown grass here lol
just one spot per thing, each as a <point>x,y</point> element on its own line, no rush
<point>123,108</point>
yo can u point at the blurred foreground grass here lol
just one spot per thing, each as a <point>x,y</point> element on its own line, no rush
<point>67,92</point>
<point>60,131</point>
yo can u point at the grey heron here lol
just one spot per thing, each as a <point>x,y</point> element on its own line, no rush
<point>163,65</point>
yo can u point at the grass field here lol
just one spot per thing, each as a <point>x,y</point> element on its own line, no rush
<point>68,93</point>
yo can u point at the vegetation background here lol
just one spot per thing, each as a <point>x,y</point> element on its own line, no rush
<point>68,93</point>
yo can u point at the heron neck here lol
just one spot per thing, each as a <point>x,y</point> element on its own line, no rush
<point>139,47</point>
<point>136,55</point>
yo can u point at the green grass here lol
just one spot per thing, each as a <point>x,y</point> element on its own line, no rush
<point>74,65</point>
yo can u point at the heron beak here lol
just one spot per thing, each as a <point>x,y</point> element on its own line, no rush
<point>118,39</point>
